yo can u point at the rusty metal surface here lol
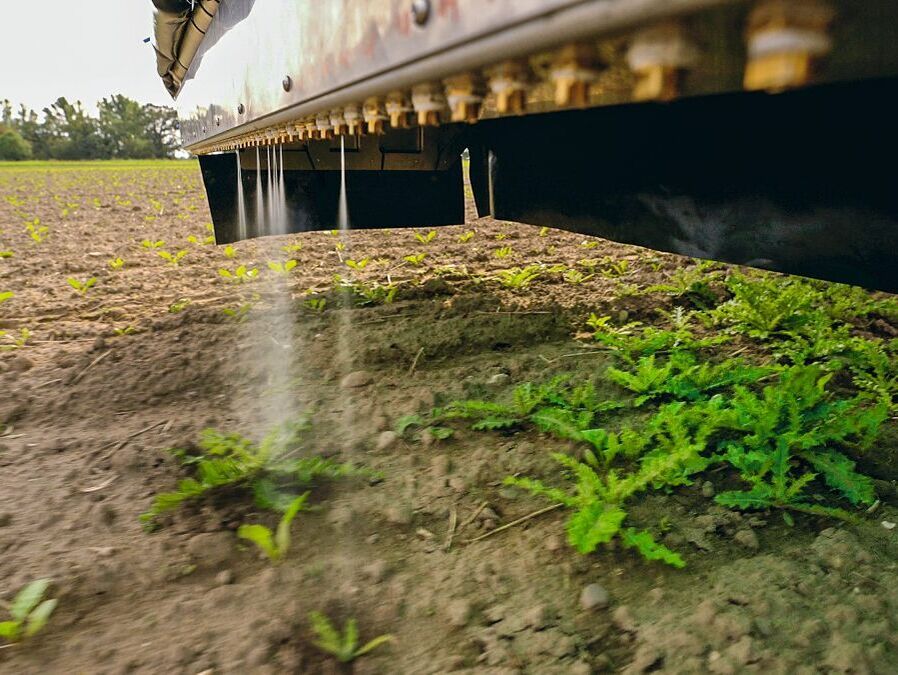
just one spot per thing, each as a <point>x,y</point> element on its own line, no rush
<point>337,51</point>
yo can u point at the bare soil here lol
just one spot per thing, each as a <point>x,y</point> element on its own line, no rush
<point>147,358</point>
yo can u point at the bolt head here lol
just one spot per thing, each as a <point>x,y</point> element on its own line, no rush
<point>241,108</point>
<point>420,11</point>
<point>287,83</point>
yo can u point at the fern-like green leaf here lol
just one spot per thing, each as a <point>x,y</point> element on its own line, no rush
<point>650,549</point>
<point>593,524</point>
<point>838,472</point>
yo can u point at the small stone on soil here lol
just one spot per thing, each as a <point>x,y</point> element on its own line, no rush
<point>458,612</point>
<point>376,571</point>
<point>358,378</point>
<point>593,597</point>
<point>747,538</point>
<point>211,549</point>
<point>386,440</point>
<point>224,578</point>
<point>707,489</point>
<point>498,380</point>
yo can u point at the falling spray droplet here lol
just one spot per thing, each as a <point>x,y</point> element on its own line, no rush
<point>241,204</point>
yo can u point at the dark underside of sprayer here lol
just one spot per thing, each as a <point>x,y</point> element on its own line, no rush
<point>802,182</point>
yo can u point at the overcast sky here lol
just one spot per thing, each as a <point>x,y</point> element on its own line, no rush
<point>81,49</point>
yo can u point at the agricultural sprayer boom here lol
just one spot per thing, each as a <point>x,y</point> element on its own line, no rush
<point>760,133</point>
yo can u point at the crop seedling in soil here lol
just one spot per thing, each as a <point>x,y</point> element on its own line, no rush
<point>633,340</point>
<point>435,432</point>
<point>6,295</point>
<point>503,252</point>
<point>345,648</point>
<point>357,265</point>
<point>126,330</point>
<point>240,275</point>
<point>764,307</point>
<point>238,314</point>
<point>6,254</point>
<point>229,251</point>
<point>178,305</point>
<point>466,237</point>
<point>28,611</point>
<point>316,304</point>
<point>149,244</point>
<point>205,241</point>
<point>615,268</point>
<point>426,238</point>
<point>281,267</point>
<point>173,259</point>
<point>375,294</point>
<point>274,544</point>
<point>693,284</point>
<point>543,231</point>
<point>291,248</point>
<point>517,277</point>
<point>116,263</point>
<point>271,470</point>
<point>415,258</point>
<point>17,342</point>
<point>81,287</point>
<point>589,244</point>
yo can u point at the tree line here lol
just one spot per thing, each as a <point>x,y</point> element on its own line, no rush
<point>122,129</point>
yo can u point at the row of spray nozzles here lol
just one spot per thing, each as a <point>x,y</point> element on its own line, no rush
<point>784,39</point>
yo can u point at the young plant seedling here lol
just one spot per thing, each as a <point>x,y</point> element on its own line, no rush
<point>116,263</point>
<point>17,342</point>
<point>178,305</point>
<point>415,259</point>
<point>543,231</point>
<point>281,267</point>
<point>205,241</point>
<point>229,251</point>
<point>151,245</point>
<point>274,544</point>
<point>126,330</point>
<point>5,295</point>
<point>426,238</point>
<point>503,252</point>
<point>82,287</point>
<point>466,237</point>
<point>589,244</point>
<point>517,277</point>
<point>291,248</point>
<point>239,275</point>
<point>575,276</point>
<point>240,313</point>
<point>316,304</point>
<point>28,611</point>
<point>6,254</point>
<point>173,259</point>
<point>357,265</point>
<point>343,647</point>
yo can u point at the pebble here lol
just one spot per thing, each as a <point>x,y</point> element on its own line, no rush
<point>593,597</point>
<point>211,549</point>
<point>376,571</point>
<point>747,538</point>
<point>458,484</point>
<point>440,465</point>
<point>5,519</point>
<point>358,378</point>
<point>707,489</point>
<point>400,515</point>
<point>498,380</point>
<point>224,578</point>
<point>553,543</point>
<point>386,440</point>
<point>623,619</point>
<point>458,612</point>
<point>537,617</point>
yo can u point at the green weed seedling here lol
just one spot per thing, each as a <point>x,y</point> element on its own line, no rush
<point>6,295</point>
<point>767,306</point>
<point>82,287</point>
<point>614,269</point>
<point>632,340</point>
<point>152,245</point>
<point>28,611</point>
<point>466,237</point>
<point>116,263</point>
<point>229,251</point>
<point>693,284</point>
<point>375,293</point>
<point>426,238</point>
<point>274,544</point>
<point>208,240</point>
<point>281,267</point>
<point>6,254</point>
<point>543,231</point>
<point>316,304</point>
<point>291,248</point>
<point>126,330</point>
<point>240,275</point>
<point>345,648</point>
<point>788,438</point>
<point>178,305</point>
<point>436,432</point>
<point>503,252</point>
<point>36,231</point>
<point>517,277</point>
<point>270,470</point>
<point>589,244</point>
<point>574,276</point>
<point>173,259</point>
<point>415,258</point>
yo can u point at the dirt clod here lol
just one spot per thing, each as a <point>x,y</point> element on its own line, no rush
<point>594,596</point>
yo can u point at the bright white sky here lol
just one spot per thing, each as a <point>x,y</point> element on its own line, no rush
<point>81,49</point>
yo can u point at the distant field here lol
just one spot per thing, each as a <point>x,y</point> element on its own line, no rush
<point>51,165</point>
